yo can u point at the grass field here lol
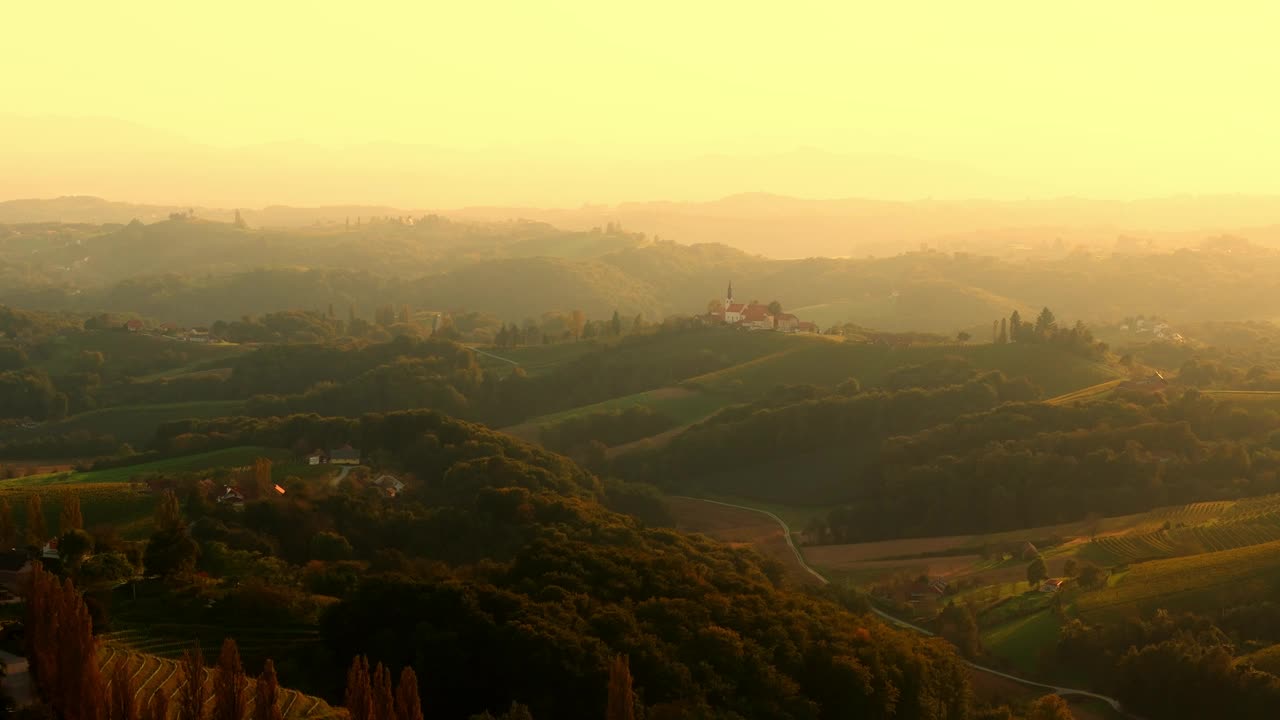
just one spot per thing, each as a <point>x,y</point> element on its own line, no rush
<point>1018,643</point>
<point>152,674</point>
<point>133,424</point>
<point>819,361</point>
<point>682,405</point>
<point>229,457</point>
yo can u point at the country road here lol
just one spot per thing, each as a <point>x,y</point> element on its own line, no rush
<point>336,480</point>
<point>786,531</point>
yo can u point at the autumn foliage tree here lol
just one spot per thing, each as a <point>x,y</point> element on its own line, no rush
<point>359,696</point>
<point>408,704</point>
<point>70,517</point>
<point>37,533</point>
<point>266,702</point>
<point>124,705</point>
<point>384,701</point>
<point>230,686</point>
<point>191,691</point>
<point>62,650</point>
<point>622,699</point>
<point>8,531</point>
<point>159,707</point>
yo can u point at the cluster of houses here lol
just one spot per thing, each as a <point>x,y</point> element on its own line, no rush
<point>345,455</point>
<point>754,316</point>
<point>1158,329</point>
<point>171,331</point>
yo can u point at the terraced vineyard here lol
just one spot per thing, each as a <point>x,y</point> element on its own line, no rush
<point>1196,583</point>
<point>1089,393</point>
<point>170,641</point>
<point>1203,527</point>
<point>152,674</point>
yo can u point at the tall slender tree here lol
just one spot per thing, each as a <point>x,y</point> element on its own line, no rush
<point>70,518</point>
<point>1004,331</point>
<point>359,696</point>
<point>230,686</point>
<point>1015,327</point>
<point>8,531</point>
<point>124,705</point>
<point>159,706</point>
<point>266,702</point>
<point>37,533</point>
<point>168,512</point>
<point>622,699</point>
<point>192,693</point>
<point>384,701</point>
<point>408,705</point>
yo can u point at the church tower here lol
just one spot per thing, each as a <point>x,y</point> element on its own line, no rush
<point>729,300</point>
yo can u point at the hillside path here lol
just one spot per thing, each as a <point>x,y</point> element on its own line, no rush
<point>17,679</point>
<point>786,531</point>
<point>336,480</point>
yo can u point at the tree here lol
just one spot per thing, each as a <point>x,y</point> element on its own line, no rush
<point>963,336</point>
<point>1049,707</point>
<point>995,332</point>
<point>622,700</point>
<point>1092,576</point>
<point>262,476</point>
<point>8,531</point>
<point>1037,571</point>
<point>159,707</point>
<point>1046,323</point>
<point>1015,327</point>
<point>171,552</point>
<point>408,705</point>
<point>266,703</point>
<point>168,512</point>
<point>577,322</point>
<point>240,222</point>
<point>230,686</point>
<point>70,517</point>
<point>359,695</point>
<point>615,324</point>
<point>384,701</point>
<point>1004,332</point>
<point>775,308</point>
<point>73,546</point>
<point>1070,567</point>
<point>124,706</point>
<point>191,689</point>
<point>37,534</point>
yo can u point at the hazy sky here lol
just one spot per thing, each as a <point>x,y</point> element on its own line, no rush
<point>1096,98</point>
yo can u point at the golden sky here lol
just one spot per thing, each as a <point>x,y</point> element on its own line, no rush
<point>1108,99</point>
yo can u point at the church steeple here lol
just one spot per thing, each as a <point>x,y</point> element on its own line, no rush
<point>729,298</point>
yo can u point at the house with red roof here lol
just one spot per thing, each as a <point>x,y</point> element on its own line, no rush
<point>786,322</point>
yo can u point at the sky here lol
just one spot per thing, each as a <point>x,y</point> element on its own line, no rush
<point>1098,99</point>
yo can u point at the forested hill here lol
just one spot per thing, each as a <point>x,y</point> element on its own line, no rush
<point>501,576</point>
<point>193,271</point>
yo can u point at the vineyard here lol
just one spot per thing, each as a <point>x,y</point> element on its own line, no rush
<point>170,641</point>
<point>1205,527</point>
<point>152,674</point>
<point>1092,392</point>
<point>1197,582</point>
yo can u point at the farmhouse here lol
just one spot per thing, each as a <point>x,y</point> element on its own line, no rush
<point>133,325</point>
<point>317,457</point>
<point>345,455</point>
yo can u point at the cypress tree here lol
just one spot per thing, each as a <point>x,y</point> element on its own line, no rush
<point>622,700</point>
<point>408,705</point>
<point>168,512</point>
<point>230,686</point>
<point>192,694</point>
<point>359,697</point>
<point>8,531</point>
<point>266,703</point>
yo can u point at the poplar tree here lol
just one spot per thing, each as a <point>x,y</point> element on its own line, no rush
<point>192,694</point>
<point>622,700</point>
<point>37,533</point>
<point>8,531</point>
<point>408,705</point>
<point>384,702</point>
<point>168,512</point>
<point>230,686</point>
<point>70,518</point>
<point>266,702</point>
<point>159,706</point>
<point>359,697</point>
<point>123,704</point>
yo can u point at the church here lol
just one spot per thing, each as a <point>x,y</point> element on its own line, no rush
<point>754,316</point>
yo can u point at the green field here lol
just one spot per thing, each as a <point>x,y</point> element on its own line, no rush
<point>818,361</point>
<point>153,674</point>
<point>683,406</point>
<point>133,424</point>
<point>1019,643</point>
<point>229,457</point>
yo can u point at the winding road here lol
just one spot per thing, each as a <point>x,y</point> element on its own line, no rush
<point>786,531</point>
